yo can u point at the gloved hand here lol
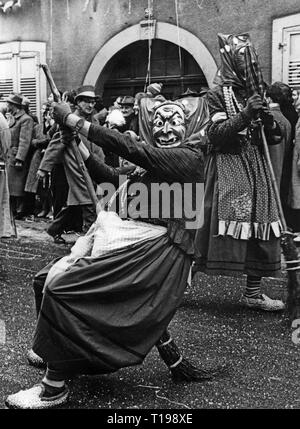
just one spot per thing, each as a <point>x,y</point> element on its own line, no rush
<point>18,165</point>
<point>60,112</point>
<point>253,107</point>
<point>68,135</point>
<point>267,118</point>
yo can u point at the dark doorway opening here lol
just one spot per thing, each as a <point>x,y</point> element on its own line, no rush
<point>125,73</point>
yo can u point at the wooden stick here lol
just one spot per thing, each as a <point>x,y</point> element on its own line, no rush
<point>80,162</point>
<point>273,178</point>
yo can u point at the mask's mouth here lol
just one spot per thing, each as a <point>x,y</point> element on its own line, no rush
<point>170,141</point>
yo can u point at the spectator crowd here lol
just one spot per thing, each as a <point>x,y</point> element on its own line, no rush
<point>40,180</point>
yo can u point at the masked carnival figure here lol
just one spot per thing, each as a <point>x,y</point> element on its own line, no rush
<point>241,230</point>
<point>111,300</point>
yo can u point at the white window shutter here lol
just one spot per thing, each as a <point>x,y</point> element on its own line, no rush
<point>286,49</point>
<point>8,81</point>
<point>20,72</point>
<point>294,60</point>
<point>28,79</point>
<point>291,56</point>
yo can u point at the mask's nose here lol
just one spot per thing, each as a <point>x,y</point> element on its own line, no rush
<point>166,128</point>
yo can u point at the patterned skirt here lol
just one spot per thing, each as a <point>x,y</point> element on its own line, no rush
<point>225,255</point>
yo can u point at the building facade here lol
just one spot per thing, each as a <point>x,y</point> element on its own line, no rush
<point>120,45</point>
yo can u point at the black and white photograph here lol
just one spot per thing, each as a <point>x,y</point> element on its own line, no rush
<point>149,207</point>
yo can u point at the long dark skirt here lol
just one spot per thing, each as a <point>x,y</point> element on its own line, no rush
<point>227,256</point>
<point>107,313</point>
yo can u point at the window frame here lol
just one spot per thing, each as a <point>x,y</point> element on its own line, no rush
<point>282,28</point>
<point>19,50</point>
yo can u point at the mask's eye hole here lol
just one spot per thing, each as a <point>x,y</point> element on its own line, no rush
<point>159,123</point>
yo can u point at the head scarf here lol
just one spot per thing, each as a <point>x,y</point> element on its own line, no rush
<point>230,44</point>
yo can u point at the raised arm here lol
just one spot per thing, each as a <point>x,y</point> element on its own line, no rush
<point>174,163</point>
<point>181,163</point>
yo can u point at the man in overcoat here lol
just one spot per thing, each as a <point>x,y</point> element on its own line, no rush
<point>21,128</point>
<point>78,195</point>
<point>6,221</point>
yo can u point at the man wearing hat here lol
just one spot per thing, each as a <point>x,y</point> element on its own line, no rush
<point>85,102</point>
<point>126,104</point>
<point>78,194</point>
<point>21,127</point>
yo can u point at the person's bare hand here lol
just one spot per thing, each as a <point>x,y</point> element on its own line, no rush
<point>41,174</point>
<point>18,165</point>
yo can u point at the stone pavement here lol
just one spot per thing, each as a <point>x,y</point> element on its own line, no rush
<point>36,230</point>
<point>210,326</point>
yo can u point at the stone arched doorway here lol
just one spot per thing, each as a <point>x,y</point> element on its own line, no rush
<point>97,73</point>
<point>125,73</point>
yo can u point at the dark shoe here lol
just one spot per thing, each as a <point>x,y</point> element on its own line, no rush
<point>20,216</point>
<point>29,218</point>
<point>59,240</point>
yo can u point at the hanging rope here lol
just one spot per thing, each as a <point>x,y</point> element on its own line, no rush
<point>85,5</point>
<point>95,6</point>
<point>51,32</point>
<point>148,75</point>
<point>179,45</point>
<point>129,7</point>
<point>68,10</point>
